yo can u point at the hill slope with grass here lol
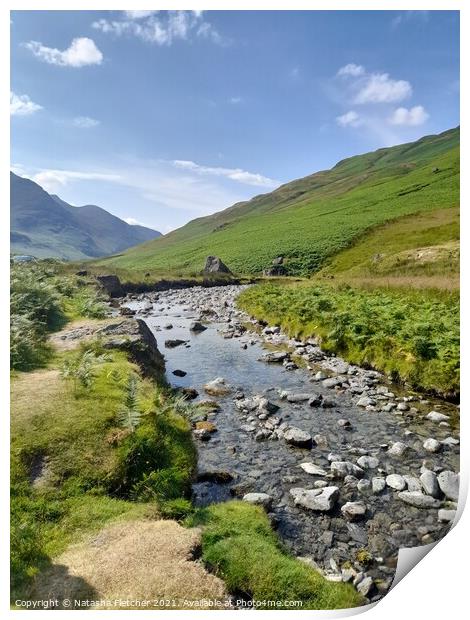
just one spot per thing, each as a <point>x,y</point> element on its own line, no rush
<point>46,226</point>
<point>311,219</point>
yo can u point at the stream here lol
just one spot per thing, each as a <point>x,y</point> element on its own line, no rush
<point>349,428</point>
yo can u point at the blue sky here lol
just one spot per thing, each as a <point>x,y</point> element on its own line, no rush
<point>161,117</point>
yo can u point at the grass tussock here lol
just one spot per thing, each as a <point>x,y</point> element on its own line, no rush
<point>411,335</point>
<point>239,544</point>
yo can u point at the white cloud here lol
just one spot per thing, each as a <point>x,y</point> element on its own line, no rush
<point>406,16</point>
<point>85,122</point>
<point>235,174</point>
<point>161,27</point>
<point>235,100</point>
<point>411,117</point>
<point>81,52</point>
<point>53,180</point>
<point>139,14</point>
<point>21,105</point>
<point>351,70</point>
<point>350,119</point>
<point>381,88</point>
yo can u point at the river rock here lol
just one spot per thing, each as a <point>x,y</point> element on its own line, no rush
<point>315,400</point>
<point>260,499</point>
<point>353,511</point>
<point>217,387</point>
<point>365,401</point>
<point>395,481</point>
<point>196,326</point>
<point>171,344</point>
<point>368,462</point>
<point>446,516</point>
<point>297,437</point>
<point>341,469</point>
<point>403,407</point>
<point>298,397</point>
<point>398,449</point>
<point>412,483</point>
<point>437,416</point>
<point>314,470</point>
<point>331,382</point>
<point>315,499</point>
<point>432,445</point>
<point>378,485</point>
<point>429,482</point>
<point>365,586</point>
<point>363,485</point>
<point>449,484</point>
<point>179,373</point>
<point>274,357</point>
<point>419,500</point>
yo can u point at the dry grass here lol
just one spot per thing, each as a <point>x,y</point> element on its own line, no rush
<point>138,560</point>
<point>46,387</point>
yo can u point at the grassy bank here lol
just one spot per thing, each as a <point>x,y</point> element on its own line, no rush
<point>77,461</point>
<point>239,544</point>
<point>411,335</point>
<point>42,300</point>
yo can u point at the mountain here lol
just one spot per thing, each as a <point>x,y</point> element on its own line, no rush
<point>310,219</point>
<point>46,226</point>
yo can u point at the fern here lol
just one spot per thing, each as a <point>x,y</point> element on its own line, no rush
<point>129,416</point>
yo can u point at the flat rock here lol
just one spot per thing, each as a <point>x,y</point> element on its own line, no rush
<point>446,516</point>
<point>171,344</point>
<point>353,511</point>
<point>275,357</point>
<point>311,468</point>
<point>368,462</point>
<point>297,437</point>
<point>419,500</point>
<point>341,469</point>
<point>395,481</point>
<point>437,416</point>
<point>217,387</point>
<point>315,499</point>
<point>366,401</point>
<point>298,397</point>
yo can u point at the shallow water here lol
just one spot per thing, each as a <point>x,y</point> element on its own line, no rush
<point>272,467</point>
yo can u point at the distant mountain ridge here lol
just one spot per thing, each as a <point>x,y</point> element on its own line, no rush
<point>46,226</point>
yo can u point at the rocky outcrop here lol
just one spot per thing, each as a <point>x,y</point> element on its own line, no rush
<point>135,337</point>
<point>111,285</point>
<point>215,265</point>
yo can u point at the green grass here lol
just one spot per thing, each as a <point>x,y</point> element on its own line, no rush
<point>311,219</point>
<point>417,246</point>
<point>239,544</point>
<point>95,468</point>
<point>411,335</point>
<point>41,301</point>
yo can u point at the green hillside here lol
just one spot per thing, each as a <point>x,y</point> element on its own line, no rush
<point>311,219</point>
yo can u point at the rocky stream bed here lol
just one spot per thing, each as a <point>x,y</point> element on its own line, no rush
<point>348,466</point>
